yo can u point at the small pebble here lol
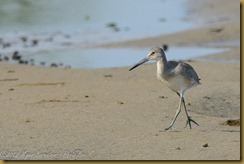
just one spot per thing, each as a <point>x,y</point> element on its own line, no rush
<point>42,63</point>
<point>28,120</point>
<point>23,38</point>
<point>6,58</point>
<point>233,122</point>
<point>5,45</point>
<point>217,29</point>
<point>11,71</point>
<point>108,75</point>
<point>178,148</point>
<point>34,42</point>
<point>113,26</point>
<point>206,97</point>
<point>16,56</point>
<point>23,62</point>
<point>205,145</point>
<point>120,102</point>
<point>162,97</point>
<point>54,65</point>
<point>165,47</point>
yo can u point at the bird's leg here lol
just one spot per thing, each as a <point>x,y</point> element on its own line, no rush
<point>176,115</point>
<point>189,120</point>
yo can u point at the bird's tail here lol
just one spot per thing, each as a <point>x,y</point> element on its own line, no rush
<point>199,81</point>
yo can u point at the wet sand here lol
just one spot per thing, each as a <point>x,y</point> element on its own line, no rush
<point>114,114</point>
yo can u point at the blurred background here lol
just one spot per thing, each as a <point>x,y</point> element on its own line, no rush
<point>64,33</point>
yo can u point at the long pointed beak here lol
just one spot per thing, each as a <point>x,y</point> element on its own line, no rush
<point>140,63</point>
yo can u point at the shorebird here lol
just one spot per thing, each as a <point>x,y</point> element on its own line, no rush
<point>178,76</point>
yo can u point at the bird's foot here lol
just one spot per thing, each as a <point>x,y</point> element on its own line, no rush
<point>170,127</point>
<point>164,130</point>
<point>189,120</point>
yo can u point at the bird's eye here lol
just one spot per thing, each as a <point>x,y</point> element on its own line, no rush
<point>152,53</point>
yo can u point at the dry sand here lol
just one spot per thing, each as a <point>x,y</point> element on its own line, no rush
<point>51,113</point>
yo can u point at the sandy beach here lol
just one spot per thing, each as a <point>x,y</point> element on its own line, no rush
<point>113,114</point>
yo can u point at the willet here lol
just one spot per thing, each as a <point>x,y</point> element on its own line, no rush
<point>178,76</point>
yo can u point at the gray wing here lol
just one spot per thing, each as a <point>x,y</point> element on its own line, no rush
<point>182,69</point>
<point>190,73</point>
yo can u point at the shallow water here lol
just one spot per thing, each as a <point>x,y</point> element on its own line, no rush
<point>62,29</point>
<point>115,57</point>
<point>91,18</point>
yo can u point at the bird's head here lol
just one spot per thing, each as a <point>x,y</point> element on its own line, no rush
<point>154,54</point>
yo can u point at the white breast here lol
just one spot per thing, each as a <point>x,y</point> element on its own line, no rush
<point>177,83</point>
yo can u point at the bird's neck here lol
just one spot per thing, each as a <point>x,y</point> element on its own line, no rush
<point>161,66</point>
